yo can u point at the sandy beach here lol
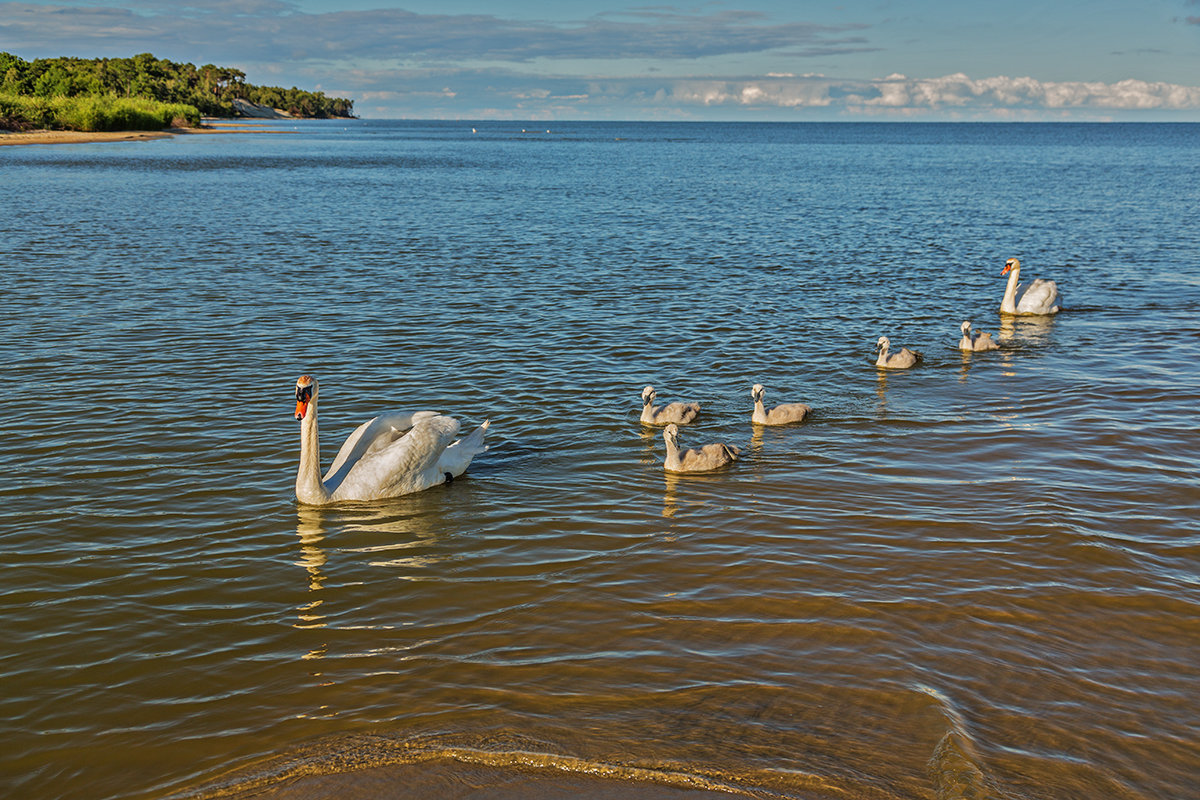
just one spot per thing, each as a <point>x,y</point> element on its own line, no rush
<point>80,137</point>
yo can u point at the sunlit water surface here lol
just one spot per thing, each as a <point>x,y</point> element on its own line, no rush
<point>976,579</point>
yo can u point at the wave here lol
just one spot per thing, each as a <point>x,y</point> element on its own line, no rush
<point>351,757</point>
<point>955,768</point>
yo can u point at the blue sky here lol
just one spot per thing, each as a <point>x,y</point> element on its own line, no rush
<point>607,59</point>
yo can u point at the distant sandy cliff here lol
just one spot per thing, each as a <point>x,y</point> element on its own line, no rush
<point>247,109</point>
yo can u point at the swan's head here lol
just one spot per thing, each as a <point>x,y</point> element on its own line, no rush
<point>756,391</point>
<point>883,343</point>
<point>306,393</point>
<point>671,435</point>
<point>1011,264</point>
<point>647,395</point>
<point>966,327</point>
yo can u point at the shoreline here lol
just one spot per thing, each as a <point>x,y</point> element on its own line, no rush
<point>89,137</point>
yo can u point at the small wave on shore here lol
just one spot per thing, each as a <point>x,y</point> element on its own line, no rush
<point>507,766</point>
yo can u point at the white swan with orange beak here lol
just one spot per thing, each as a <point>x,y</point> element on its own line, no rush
<point>390,455</point>
<point>1040,297</point>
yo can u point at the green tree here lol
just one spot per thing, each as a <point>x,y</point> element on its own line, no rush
<point>53,82</point>
<point>210,89</point>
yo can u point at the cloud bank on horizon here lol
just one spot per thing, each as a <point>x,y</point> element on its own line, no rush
<point>655,62</point>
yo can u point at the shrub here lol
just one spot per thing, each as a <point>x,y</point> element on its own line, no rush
<point>94,113</point>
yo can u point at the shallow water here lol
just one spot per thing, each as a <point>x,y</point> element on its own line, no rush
<point>978,578</point>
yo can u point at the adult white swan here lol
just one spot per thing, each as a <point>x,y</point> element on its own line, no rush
<point>387,456</point>
<point>1039,297</point>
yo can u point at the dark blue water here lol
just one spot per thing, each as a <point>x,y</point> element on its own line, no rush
<point>976,578</point>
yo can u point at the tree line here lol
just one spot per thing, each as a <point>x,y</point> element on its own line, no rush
<point>210,89</point>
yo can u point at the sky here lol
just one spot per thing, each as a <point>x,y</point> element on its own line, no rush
<point>770,60</point>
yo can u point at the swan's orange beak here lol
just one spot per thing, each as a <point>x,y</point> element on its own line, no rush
<point>1007,267</point>
<point>304,396</point>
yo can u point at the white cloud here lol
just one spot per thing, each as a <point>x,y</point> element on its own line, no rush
<point>955,92</point>
<point>488,92</point>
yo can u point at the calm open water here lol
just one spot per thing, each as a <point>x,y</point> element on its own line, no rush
<point>977,579</point>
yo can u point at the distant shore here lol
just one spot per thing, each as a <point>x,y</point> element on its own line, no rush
<point>84,137</point>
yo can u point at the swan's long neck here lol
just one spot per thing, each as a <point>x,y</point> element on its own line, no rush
<point>648,409</point>
<point>672,451</point>
<point>1009,304</point>
<point>760,411</point>
<point>883,355</point>
<point>309,488</point>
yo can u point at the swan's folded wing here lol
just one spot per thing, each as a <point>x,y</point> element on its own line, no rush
<point>1042,295</point>
<point>409,464</point>
<point>372,435</point>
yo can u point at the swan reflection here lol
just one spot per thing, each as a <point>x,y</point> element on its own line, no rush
<point>313,558</point>
<point>756,439</point>
<point>1019,332</point>
<point>684,490</point>
<point>670,495</point>
<point>409,529</point>
<point>1030,330</point>
<point>312,555</point>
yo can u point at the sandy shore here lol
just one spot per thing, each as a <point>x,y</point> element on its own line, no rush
<point>77,137</point>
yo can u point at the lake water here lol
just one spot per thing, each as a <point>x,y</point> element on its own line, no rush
<point>976,579</point>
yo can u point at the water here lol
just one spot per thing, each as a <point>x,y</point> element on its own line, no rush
<point>977,579</point>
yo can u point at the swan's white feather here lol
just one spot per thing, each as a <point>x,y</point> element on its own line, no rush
<point>457,457</point>
<point>408,464</point>
<point>373,434</point>
<point>1041,297</point>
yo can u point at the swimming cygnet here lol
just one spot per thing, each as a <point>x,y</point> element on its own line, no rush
<point>903,360</point>
<point>976,341</point>
<point>709,457</point>
<point>679,413</point>
<point>781,414</point>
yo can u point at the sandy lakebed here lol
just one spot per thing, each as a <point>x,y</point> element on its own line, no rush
<point>82,137</point>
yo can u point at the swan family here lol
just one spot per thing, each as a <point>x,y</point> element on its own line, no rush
<point>396,454</point>
<point>712,456</point>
